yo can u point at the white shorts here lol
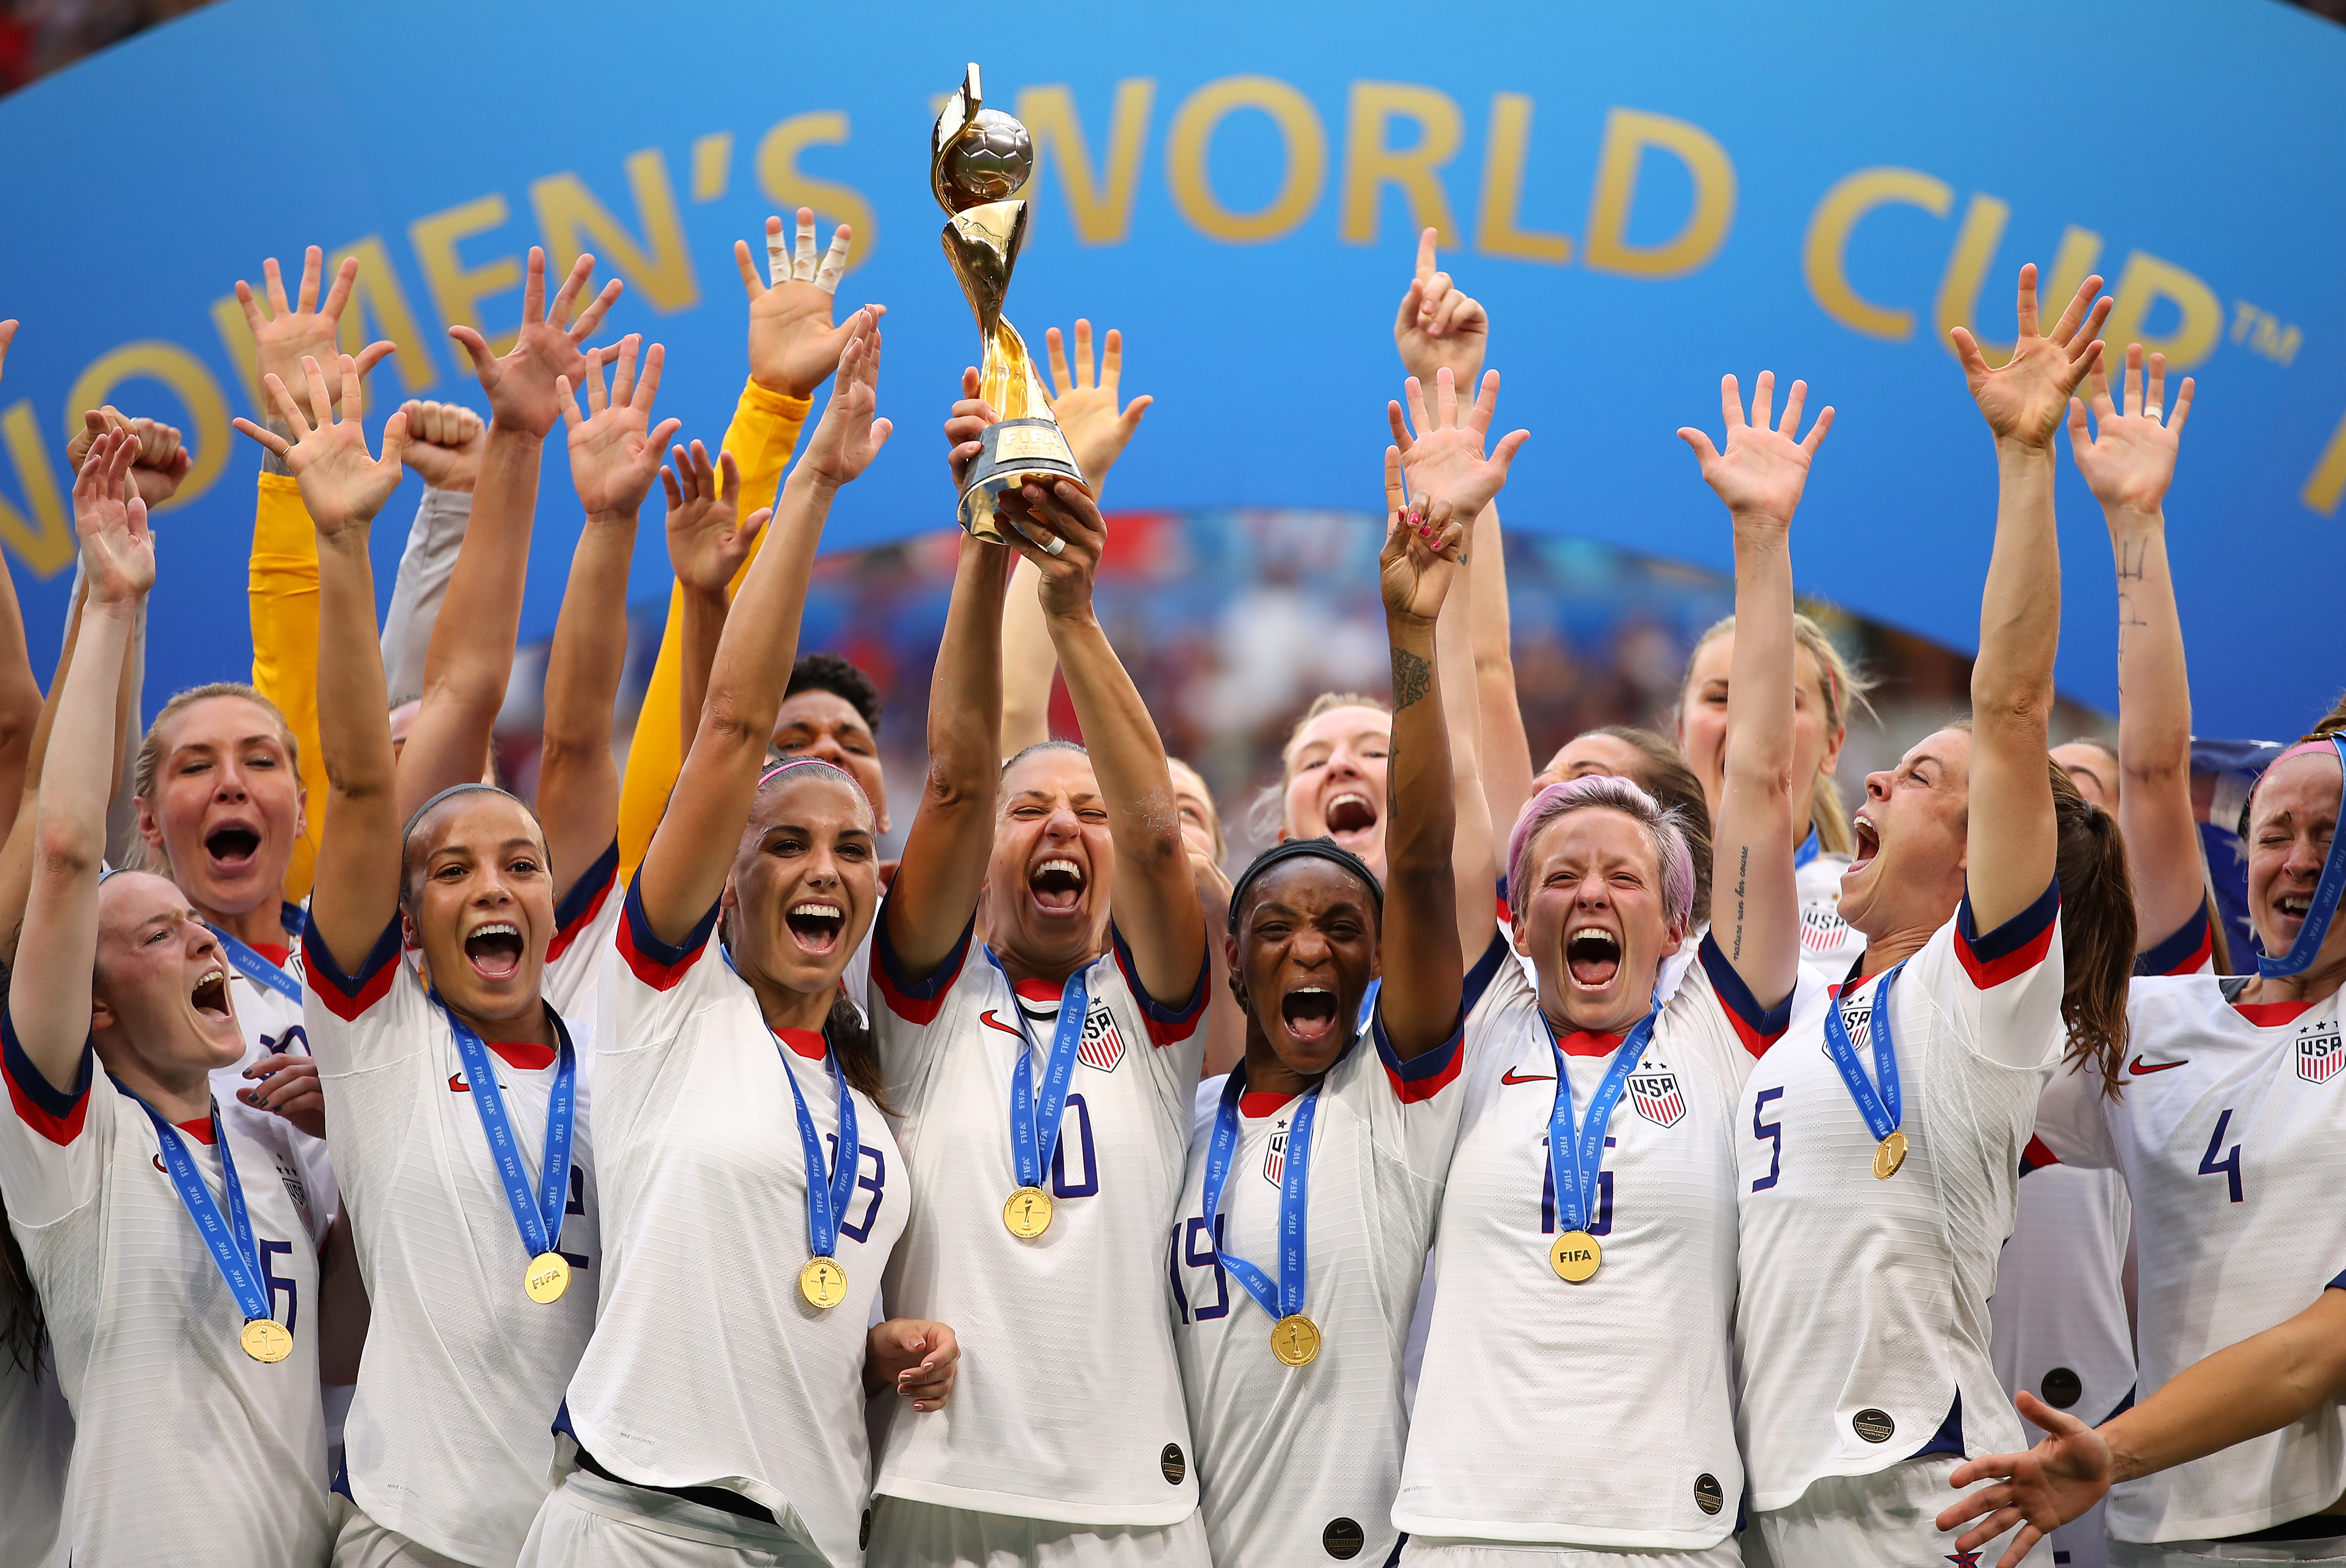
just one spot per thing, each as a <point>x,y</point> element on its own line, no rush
<point>1886,1520</point>
<point>2193,1553</point>
<point>1442,1551</point>
<point>591,1522</point>
<point>360,1542</point>
<point>908,1534</point>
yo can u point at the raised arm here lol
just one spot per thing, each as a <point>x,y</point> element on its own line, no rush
<point>444,444</point>
<point>2009,861</point>
<point>1755,908</point>
<point>50,989</point>
<point>2129,463</point>
<point>1424,967</point>
<point>343,488</point>
<point>471,648</point>
<point>1155,898</point>
<point>614,457</point>
<point>2259,1385</point>
<point>1096,432</point>
<point>708,544</point>
<point>945,851</point>
<point>692,850</point>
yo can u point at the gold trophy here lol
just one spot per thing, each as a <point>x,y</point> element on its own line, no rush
<point>977,158</point>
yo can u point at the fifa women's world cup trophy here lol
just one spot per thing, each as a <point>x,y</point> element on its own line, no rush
<point>977,158</point>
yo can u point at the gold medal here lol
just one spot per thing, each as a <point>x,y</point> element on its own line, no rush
<point>1890,1155</point>
<point>548,1278</point>
<point>1295,1339</point>
<point>1027,1214</point>
<point>823,1283</point>
<point>265,1340</point>
<point>1576,1255</point>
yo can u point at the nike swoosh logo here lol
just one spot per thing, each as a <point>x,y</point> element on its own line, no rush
<point>456,1084</point>
<point>991,1021</point>
<point>1510,1076</point>
<point>2139,1066</point>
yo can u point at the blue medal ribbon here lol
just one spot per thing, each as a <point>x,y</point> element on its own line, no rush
<point>1883,1110</point>
<point>256,967</point>
<point>2316,929</point>
<point>1811,848</point>
<point>1034,1124</point>
<point>537,1215</point>
<point>230,1237</point>
<point>1286,1298</point>
<point>1573,1158</point>
<point>826,1200</point>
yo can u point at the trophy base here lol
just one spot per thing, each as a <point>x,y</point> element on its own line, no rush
<point>1017,449</point>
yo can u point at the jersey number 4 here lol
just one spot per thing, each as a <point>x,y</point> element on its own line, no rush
<point>2229,1167</point>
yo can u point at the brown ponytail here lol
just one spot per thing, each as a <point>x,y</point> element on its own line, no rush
<point>850,1038</point>
<point>2098,929</point>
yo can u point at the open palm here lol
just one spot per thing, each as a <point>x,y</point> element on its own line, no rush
<point>1097,430</point>
<point>290,330</point>
<point>2024,399</point>
<point>1425,544</point>
<point>2129,460</point>
<point>342,487</point>
<point>708,539</point>
<point>117,550</point>
<point>520,383</point>
<point>1763,470</point>
<point>614,454</point>
<point>1444,457</point>
<point>792,343</point>
<point>849,437</point>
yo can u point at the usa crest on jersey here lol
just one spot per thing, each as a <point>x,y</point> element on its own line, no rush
<point>1657,1098</point>
<point>1822,930</point>
<point>1274,1159</point>
<point>2320,1053</point>
<point>1101,1046</point>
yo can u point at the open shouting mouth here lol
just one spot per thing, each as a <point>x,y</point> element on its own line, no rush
<point>1310,1012</point>
<point>1057,885</point>
<point>1593,954</point>
<point>495,951</point>
<point>816,925</point>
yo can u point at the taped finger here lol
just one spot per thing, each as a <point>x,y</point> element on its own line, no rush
<point>802,258</point>
<point>778,255</point>
<point>834,260</point>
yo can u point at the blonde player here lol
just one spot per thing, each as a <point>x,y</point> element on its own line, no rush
<point>1043,1086</point>
<point>1827,690</point>
<point>170,1251</point>
<point>1586,1249</point>
<point>1310,1196</point>
<point>2224,1123</point>
<point>2292,1373</point>
<point>1878,1145</point>
<point>467,1165</point>
<point>711,1060</point>
<point>2064,1331</point>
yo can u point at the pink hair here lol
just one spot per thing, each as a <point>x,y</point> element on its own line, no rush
<point>1672,857</point>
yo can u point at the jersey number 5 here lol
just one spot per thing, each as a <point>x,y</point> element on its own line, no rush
<point>2228,1166</point>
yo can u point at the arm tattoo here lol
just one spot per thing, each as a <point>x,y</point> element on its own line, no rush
<point>1413,677</point>
<point>1742,872</point>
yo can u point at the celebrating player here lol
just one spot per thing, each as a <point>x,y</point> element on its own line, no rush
<point>1043,1084</point>
<point>2225,1104</point>
<point>701,1059</point>
<point>1594,1277</point>
<point>1878,1145</point>
<point>172,1252</point>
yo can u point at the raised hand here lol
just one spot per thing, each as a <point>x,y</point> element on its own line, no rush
<point>1425,544</point>
<point>708,539</point>
<point>2066,1472</point>
<point>1445,455</point>
<point>342,486</point>
<point>2130,460</point>
<point>965,426</point>
<point>1762,471</point>
<point>1438,326</point>
<point>792,344</point>
<point>162,459</point>
<point>614,454</point>
<point>2023,399</point>
<point>445,443</point>
<point>849,437</point>
<point>1096,430</point>
<point>1058,527</point>
<point>117,550</point>
<point>289,333</point>
<point>520,384</point>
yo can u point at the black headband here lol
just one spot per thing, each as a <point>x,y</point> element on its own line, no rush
<point>1296,849</point>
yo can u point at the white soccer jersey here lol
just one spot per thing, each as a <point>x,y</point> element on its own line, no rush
<point>187,1451</point>
<point>1907,1263</point>
<point>2227,1134</point>
<point>36,1442</point>
<point>272,1022</point>
<point>1068,1406</point>
<point>1598,1414</point>
<point>1828,944</point>
<point>1297,1464</point>
<point>698,1146</point>
<point>450,1440</point>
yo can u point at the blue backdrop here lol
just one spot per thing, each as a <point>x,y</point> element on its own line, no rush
<point>1645,197</point>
